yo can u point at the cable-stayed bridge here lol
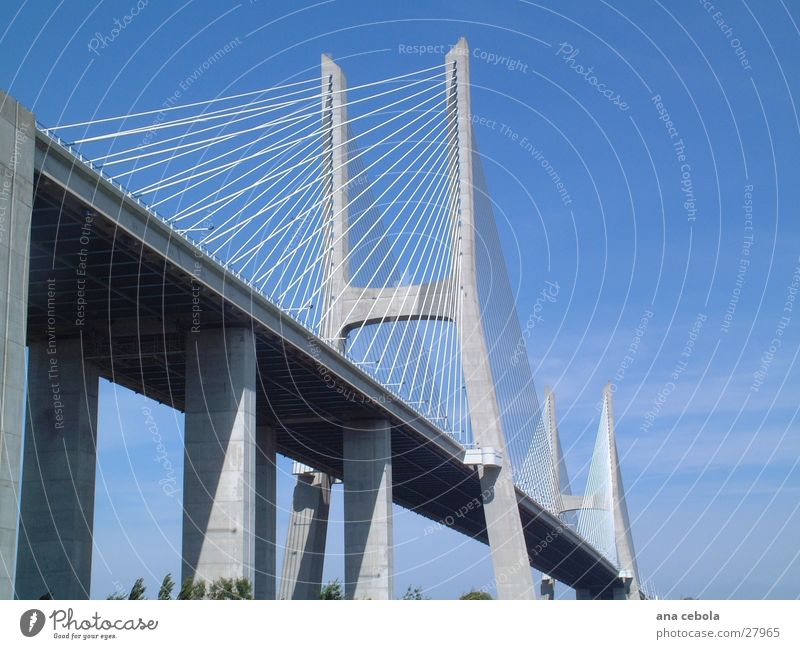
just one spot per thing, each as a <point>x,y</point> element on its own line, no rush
<point>312,270</point>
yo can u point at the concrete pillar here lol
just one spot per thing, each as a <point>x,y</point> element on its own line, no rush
<point>57,509</point>
<point>219,491</point>
<point>304,557</point>
<point>548,588</point>
<point>512,570</point>
<point>368,561</point>
<point>623,591</point>
<point>513,574</point>
<point>17,135</point>
<point>619,590</point>
<point>266,511</point>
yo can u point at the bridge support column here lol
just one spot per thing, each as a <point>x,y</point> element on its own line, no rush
<point>620,590</point>
<point>304,557</point>
<point>369,555</point>
<point>266,511</point>
<point>512,570</point>
<point>219,490</point>
<point>548,588</point>
<point>59,466</point>
<point>623,591</point>
<point>17,134</point>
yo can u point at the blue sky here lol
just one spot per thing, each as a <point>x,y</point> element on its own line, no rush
<point>652,237</point>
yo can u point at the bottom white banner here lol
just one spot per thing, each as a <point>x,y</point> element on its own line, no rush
<point>375,624</point>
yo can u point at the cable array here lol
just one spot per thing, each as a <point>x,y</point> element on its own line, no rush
<point>527,441</point>
<point>250,177</point>
<point>402,229</point>
<point>596,516</point>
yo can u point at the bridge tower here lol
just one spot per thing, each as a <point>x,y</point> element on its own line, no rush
<point>347,308</point>
<point>504,527</point>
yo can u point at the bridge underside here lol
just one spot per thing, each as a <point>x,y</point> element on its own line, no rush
<point>141,299</point>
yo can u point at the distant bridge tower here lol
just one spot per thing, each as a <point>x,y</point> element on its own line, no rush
<point>602,511</point>
<point>623,540</point>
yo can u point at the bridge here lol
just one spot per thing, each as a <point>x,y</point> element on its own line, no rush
<point>310,270</point>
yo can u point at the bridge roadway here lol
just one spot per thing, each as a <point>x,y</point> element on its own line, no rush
<point>144,284</point>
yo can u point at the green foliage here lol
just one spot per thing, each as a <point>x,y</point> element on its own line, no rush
<point>413,593</point>
<point>137,591</point>
<point>165,592</point>
<point>476,594</point>
<point>238,588</point>
<point>243,588</point>
<point>192,590</point>
<point>223,588</point>
<point>331,590</point>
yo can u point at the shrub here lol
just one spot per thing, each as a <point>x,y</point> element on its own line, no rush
<point>476,594</point>
<point>331,590</point>
<point>413,593</point>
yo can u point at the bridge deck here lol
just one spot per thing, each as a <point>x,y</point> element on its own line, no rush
<point>141,283</point>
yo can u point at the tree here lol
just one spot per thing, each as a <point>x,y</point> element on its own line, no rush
<point>476,594</point>
<point>224,588</point>
<point>243,588</point>
<point>137,591</point>
<point>413,593</point>
<point>331,590</point>
<point>165,592</point>
<point>192,590</point>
